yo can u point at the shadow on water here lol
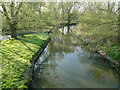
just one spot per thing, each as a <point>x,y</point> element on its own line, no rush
<point>66,64</point>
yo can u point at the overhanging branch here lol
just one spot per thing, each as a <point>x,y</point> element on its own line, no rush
<point>5,13</point>
<point>18,9</point>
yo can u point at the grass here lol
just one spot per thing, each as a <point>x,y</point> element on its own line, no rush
<point>102,39</point>
<point>17,57</point>
<point>105,40</point>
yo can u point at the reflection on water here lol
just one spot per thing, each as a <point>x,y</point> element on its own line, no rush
<point>66,64</point>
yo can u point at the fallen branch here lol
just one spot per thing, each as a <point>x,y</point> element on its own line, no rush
<point>102,53</point>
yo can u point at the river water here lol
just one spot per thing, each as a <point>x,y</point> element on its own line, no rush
<point>66,63</point>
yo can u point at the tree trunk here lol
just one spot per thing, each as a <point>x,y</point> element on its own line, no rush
<point>13,31</point>
<point>68,23</point>
<point>13,22</point>
<point>62,11</point>
<point>63,30</point>
<point>68,28</point>
<point>119,23</point>
<point>108,6</point>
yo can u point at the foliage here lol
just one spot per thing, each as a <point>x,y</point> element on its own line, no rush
<point>99,22</point>
<point>40,15</point>
<point>98,25</point>
<point>101,28</point>
<point>16,59</point>
<point>106,41</point>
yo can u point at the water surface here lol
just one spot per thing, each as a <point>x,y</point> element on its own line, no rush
<point>65,63</point>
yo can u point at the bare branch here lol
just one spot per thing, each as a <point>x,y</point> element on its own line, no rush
<point>1,11</point>
<point>18,8</point>
<point>5,13</point>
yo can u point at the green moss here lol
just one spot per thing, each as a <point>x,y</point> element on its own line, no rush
<point>16,58</point>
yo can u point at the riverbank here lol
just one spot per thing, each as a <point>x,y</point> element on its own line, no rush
<point>103,42</point>
<point>17,56</point>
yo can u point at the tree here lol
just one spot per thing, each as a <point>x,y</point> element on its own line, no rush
<point>11,18</point>
<point>70,13</point>
<point>119,22</point>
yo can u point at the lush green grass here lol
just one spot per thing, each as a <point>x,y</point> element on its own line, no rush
<point>17,57</point>
<point>105,40</point>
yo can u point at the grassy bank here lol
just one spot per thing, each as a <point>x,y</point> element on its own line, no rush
<point>17,58</point>
<point>104,40</point>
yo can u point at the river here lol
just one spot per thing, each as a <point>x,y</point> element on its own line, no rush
<point>65,63</point>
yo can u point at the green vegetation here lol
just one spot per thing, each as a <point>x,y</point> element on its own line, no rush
<point>100,40</point>
<point>35,16</point>
<point>17,57</point>
<point>104,41</point>
<point>98,25</point>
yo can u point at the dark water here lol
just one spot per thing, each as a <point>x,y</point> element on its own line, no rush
<point>66,64</point>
